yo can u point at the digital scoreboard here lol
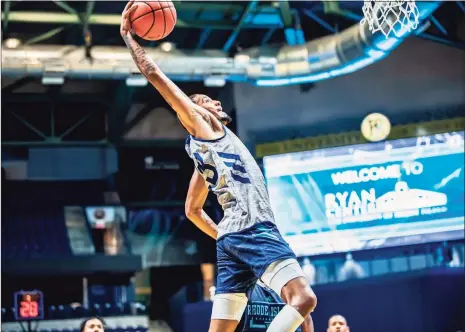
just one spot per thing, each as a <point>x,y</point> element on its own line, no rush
<point>29,305</point>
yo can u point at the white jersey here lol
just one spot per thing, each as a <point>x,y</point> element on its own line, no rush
<point>233,175</point>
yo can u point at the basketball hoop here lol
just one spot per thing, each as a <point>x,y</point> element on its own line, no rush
<point>398,17</point>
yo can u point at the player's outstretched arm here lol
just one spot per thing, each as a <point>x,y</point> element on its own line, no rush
<point>196,197</point>
<point>177,99</point>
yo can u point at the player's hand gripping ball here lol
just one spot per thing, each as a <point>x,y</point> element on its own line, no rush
<point>152,20</point>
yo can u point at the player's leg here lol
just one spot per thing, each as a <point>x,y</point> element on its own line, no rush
<point>263,295</point>
<point>274,262</point>
<point>264,250</point>
<point>233,280</point>
<point>220,325</point>
<point>227,311</point>
<point>298,294</point>
<point>286,278</point>
<point>307,325</point>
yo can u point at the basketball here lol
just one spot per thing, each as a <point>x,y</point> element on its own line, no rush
<point>153,20</point>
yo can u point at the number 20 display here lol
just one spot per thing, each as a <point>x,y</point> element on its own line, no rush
<point>28,305</point>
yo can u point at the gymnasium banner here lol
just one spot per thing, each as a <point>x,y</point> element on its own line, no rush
<point>365,196</point>
<point>355,137</point>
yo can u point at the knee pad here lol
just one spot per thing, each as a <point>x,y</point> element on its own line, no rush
<point>279,273</point>
<point>229,306</point>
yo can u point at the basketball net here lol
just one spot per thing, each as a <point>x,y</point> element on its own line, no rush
<point>398,17</point>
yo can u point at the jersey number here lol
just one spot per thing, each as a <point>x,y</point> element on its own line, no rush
<point>202,167</point>
<point>233,161</point>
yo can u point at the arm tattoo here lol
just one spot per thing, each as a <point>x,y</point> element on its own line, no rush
<point>141,58</point>
<point>170,91</point>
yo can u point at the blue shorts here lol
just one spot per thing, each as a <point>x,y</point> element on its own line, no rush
<point>243,257</point>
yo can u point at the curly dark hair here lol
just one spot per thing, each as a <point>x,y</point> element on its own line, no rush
<point>83,324</point>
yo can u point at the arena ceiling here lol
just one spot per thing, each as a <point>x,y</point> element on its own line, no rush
<point>228,26</point>
<point>37,114</point>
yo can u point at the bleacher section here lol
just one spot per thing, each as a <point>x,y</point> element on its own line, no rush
<point>74,311</point>
<point>33,218</point>
<point>129,316</point>
<point>33,224</point>
<point>34,233</point>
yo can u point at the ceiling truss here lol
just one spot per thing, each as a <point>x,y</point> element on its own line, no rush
<point>201,25</point>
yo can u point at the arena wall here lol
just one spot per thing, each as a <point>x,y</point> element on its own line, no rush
<point>420,76</point>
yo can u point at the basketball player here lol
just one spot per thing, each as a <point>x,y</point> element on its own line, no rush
<point>93,324</point>
<point>249,246</point>
<point>337,323</point>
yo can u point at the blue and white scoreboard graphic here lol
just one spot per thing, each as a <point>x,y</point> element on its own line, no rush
<point>391,193</point>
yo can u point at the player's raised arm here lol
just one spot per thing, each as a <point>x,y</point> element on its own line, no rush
<point>196,196</point>
<point>177,99</point>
